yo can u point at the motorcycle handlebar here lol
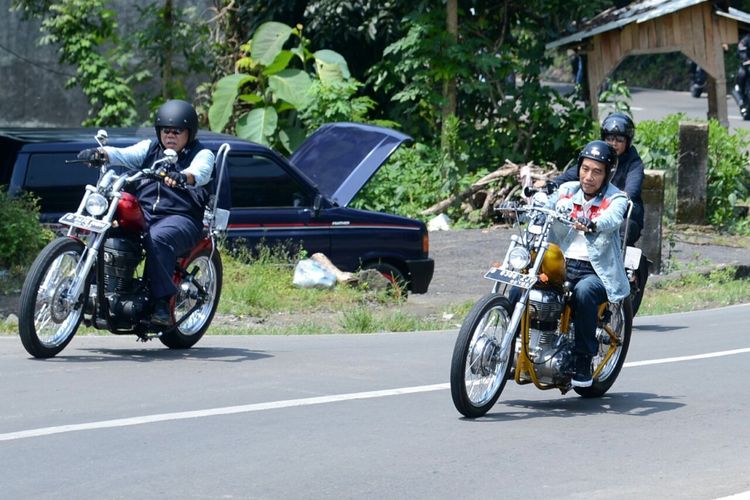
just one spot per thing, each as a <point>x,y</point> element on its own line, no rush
<point>549,188</point>
<point>89,163</point>
<point>564,218</point>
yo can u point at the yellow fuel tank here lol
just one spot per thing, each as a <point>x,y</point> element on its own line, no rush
<point>553,266</point>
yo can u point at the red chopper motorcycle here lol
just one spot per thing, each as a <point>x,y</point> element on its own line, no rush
<point>95,274</point>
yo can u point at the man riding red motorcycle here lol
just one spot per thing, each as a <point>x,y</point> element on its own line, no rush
<point>174,208</point>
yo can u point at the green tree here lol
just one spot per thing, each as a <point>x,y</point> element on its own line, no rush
<point>172,41</point>
<point>276,79</point>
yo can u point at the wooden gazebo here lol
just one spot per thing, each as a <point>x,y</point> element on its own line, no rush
<point>697,28</point>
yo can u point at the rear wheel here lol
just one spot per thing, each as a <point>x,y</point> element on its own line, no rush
<point>620,324</point>
<point>479,369</point>
<point>48,317</point>
<point>207,274</point>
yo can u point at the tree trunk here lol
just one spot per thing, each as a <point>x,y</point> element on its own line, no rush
<point>449,85</point>
<point>166,71</point>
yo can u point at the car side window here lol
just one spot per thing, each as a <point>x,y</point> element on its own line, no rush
<point>259,182</point>
<point>50,170</point>
<point>59,186</point>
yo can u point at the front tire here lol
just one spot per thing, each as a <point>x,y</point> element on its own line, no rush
<point>478,369</point>
<point>208,275</point>
<point>47,321</point>
<point>621,323</point>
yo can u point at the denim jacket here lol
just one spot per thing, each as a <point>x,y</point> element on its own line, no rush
<point>604,246</point>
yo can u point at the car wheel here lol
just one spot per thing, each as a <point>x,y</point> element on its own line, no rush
<point>397,287</point>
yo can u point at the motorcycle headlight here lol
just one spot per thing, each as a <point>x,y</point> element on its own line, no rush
<point>96,204</point>
<point>519,258</point>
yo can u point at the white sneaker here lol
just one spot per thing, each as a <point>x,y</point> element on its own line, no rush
<point>581,383</point>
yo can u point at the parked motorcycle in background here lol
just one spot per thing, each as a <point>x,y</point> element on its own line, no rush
<point>697,80</point>
<point>532,340</point>
<point>95,273</point>
<point>741,95</point>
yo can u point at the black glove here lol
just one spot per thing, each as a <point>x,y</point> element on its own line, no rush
<point>179,178</point>
<point>91,155</point>
<point>590,225</point>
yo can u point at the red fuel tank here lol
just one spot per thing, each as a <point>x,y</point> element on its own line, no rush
<point>129,213</point>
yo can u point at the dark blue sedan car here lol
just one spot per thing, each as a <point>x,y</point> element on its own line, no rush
<point>302,201</point>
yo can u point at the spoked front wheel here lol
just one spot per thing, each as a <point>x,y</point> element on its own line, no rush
<point>204,286</point>
<point>48,315</point>
<point>620,325</point>
<point>479,368</point>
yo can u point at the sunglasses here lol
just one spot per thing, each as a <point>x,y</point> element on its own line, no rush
<point>172,130</point>
<point>615,138</point>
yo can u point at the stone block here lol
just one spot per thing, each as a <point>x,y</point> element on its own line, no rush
<point>652,192</point>
<point>692,174</point>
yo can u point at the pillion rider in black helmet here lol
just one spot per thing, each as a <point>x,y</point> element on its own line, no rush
<point>618,131</point>
<point>173,208</point>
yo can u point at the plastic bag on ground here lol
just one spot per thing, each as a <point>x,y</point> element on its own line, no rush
<point>310,274</point>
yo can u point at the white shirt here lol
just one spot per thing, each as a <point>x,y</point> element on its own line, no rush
<point>133,156</point>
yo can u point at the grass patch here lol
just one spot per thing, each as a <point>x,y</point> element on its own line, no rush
<point>262,284</point>
<point>361,319</point>
<point>695,291</point>
<point>258,297</point>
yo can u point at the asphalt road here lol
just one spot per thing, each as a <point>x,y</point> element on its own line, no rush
<point>370,416</point>
<point>651,104</point>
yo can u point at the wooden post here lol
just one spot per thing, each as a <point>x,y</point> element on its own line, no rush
<point>691,174</point>
<point>715,51</point>
<point>652,192</point>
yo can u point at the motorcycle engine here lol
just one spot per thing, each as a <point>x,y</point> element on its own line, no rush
<point>549,350</point>
<point>121,256</point>
<point>545,309</point>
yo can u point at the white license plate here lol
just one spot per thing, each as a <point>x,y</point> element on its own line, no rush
<point>632,257</point>
<point>85,222</point>
<point>510,277</point>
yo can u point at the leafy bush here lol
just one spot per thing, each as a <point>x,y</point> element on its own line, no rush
<point>657,142</point>
<point>21,235</point>
<point>262,103</point>
<point>728,178</point>
<point>336,101</point>
<point>406,185</point>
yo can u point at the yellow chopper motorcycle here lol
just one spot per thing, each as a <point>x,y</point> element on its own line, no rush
<point>532,340</point>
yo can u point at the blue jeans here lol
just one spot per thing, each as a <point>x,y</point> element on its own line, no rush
<point>168,237</point>
<point>588,294</point>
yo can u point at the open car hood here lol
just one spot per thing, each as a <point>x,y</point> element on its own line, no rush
<point>341,157</point>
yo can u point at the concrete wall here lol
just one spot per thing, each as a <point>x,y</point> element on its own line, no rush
<point>32,83</point>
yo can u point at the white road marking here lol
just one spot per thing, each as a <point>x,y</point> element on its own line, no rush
<point>291,403</point>
<point>745,495</point>
<point>211,412</point>
<point>686,358</point>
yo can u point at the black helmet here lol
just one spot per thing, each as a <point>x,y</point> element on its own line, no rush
<point>177,113</point>
<point>603,152</point>
<point>618,124</point>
